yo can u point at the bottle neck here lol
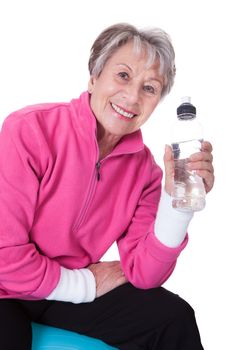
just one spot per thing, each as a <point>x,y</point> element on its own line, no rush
<point>186,116</point>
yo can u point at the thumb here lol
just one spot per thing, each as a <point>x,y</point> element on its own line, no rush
<point>169,168</point>
<point>168,158</point>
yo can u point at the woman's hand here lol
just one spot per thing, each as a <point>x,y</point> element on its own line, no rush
<point>201,162</point>
<point>108,275</point>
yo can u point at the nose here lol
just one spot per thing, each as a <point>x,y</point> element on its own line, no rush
<point>132,93</point>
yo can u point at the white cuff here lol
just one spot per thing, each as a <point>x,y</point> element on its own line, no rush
<point>75,286</point>
<point>170,224</point>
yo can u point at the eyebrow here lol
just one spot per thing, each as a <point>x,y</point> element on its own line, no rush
<point>157,80</point>
<point>149,79</point>
<point>124,64</point>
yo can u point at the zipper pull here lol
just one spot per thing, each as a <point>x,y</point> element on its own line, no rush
<point>98,170</point>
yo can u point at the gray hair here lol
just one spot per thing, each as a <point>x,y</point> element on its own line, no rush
<point>155,41</point>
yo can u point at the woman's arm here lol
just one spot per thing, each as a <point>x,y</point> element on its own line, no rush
<point>23,271</point>
<point>149,252</point>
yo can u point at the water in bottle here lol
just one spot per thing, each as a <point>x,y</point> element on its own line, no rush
<point>188,190</point>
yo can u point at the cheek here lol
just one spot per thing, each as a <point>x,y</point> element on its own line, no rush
<point>151,107</point>
<point>101,94</point>
<point>107,86</point>
<point>99,104</point>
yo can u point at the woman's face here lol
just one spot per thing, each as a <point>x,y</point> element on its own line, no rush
<point>126,92</point>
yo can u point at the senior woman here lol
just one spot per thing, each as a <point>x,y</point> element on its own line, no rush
<point>76,177</point>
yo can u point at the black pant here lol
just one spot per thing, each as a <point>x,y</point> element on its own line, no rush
<point>127,318</point>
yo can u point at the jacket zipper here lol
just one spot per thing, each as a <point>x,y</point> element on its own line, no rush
<point>88,200</point>
<point>96,175</point>
<point>91,191</point>
<point>98,169</point>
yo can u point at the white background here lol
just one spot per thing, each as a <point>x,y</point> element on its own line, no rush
<point>44,49</point>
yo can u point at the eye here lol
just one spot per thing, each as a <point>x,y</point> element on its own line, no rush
<point>123,75</point>
<point>154,89</point>
<point>149,88</point>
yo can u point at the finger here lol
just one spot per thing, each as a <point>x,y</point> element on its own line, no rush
<point>204,156</point>
<point>114,269</point>
<point>205,152</point>
<point>206,146</point>
<point>200,165</point>
<point>208,179</point>
<point>123,280</point>
<point>168,154</point>
<point>112,264</point>
<point>168,161</point>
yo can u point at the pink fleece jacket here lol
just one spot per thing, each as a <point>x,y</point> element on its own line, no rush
<point>60,206</point>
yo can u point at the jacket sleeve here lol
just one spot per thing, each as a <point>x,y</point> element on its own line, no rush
<point>146,262</point>
<point>24,272</point>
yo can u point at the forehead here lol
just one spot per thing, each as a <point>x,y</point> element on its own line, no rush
<point>133,57</point>
<point>128,50</point>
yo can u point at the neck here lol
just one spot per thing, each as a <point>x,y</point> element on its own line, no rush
<point>106,142</point>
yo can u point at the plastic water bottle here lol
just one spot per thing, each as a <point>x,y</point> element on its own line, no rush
<point>187,134</point>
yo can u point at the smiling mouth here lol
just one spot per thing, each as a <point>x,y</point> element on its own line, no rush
<point>122,112</point>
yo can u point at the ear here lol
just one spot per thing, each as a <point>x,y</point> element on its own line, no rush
<point>91,84</point>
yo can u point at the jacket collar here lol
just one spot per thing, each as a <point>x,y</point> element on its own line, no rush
<point>85,121</point>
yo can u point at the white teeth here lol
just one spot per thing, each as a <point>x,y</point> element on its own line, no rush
<point>122,112</point>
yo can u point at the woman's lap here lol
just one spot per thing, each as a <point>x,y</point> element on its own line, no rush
<point>126,317</point>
